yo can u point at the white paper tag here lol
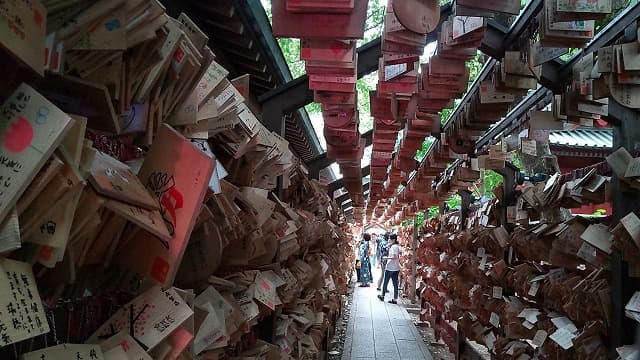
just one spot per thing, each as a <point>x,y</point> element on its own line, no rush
<point>481,252</point>
<point>587,252</point>
<point>563,322</point>
<point>563,337</point>
<point>494,320</point>
<point>634,302</point>
<point>497,292</point>
<point>474,164</point>
<point>529,147</point>
<point>489,340</point>
<point>539,338</point>
<point>527,325</point>
<point>483,263</point>
<point>533,290</point>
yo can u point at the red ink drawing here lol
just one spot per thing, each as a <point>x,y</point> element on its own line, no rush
<point>19,135</point>
<point>124,345</point>
<point>160,269</point>
<point>178,55</point>
<point>37,18</point>
<point>266,286</point>
<point>169,198</point>
<point>45,252</point>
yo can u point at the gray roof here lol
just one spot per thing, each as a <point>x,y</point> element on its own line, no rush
<point>583,138</point>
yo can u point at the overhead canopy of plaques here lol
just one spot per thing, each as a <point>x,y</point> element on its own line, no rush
<point>240,36</point>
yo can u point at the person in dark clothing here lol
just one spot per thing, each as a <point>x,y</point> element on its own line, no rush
<point>383,251</point>
<point>365,265</point>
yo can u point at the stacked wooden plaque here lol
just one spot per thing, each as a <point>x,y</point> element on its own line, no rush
<point>487,8</point>
<point>393,106</point>
<point>328,33</point>
<point>480,281</point>
<point>565,24</point>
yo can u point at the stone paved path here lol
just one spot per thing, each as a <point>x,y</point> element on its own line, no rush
<point>380,330</point>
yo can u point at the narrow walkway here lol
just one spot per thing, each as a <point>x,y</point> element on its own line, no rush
<point>380,330</point>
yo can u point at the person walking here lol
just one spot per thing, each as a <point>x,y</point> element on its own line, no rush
<point>365,265</point>
<point>383,251</point>
<point>392,269</point>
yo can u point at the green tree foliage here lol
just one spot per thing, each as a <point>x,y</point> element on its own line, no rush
<point>291,50</point>
<point>420,218</point>
<point>363,86</point>
<point>454,202</point>
<point>426,145</point>
<point>490,179</point>
<point>374,24</point>
<point>432,212</point>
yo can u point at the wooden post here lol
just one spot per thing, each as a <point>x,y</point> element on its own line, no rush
<point>626,133</point>
<point>467,199</point>
<point>508,191</point>
<point>414,266</point>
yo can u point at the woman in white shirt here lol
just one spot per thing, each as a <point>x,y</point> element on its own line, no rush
<point>392,270</point>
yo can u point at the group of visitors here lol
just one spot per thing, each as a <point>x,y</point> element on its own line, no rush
<point>386,256</point>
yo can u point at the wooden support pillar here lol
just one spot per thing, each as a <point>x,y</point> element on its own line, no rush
<point>467,200</point>
<point>626,133</point>
<point>273,118</point>
<point>414,260</point>
<point>509,177</point>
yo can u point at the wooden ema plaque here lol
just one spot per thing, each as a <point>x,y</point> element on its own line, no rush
<point>334,97</point>
<point>332,83</point>
<point>319,25</point>
<point>405,39</point>
<point>505,6</point>
<point>177,174</point>
<point>327,50</point>
<point>432,106</point>
<point>400,48</point>
<point>31,128</point>
<point>339,118</point>
<point>348,136</point>
<point>380,106</point>
<point>380,137</point>
<point>378,172</point>
<point>442,66</point>
<point>382,126</point>
<point>398,87</point>
<point>327,106</point>
<point>419,126</point>
<point>330,68</point>
<point>382,140</point>
<point>419,16</point>
<point>380,162</point>
<point>386,147</point>
<point>393,58</point>
<point>346,153</point>
<point>325,7</point>
<point>22,32</point>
